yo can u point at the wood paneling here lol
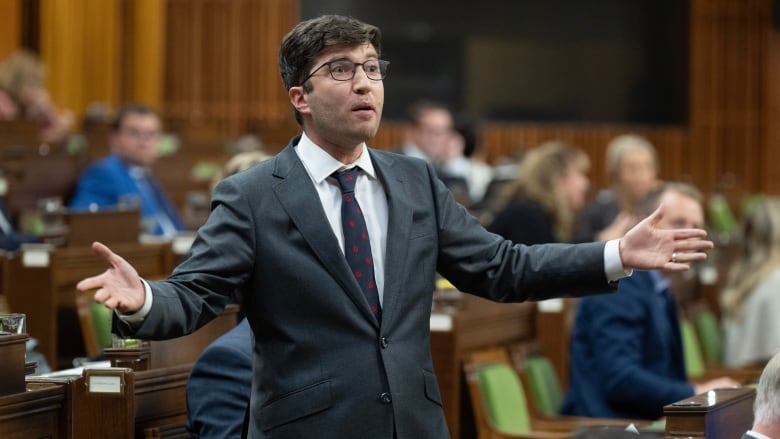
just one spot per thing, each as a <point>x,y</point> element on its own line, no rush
<point>80,45</point>
<point>10,31</point>
<point>145,47</point>
<point>505,139</point>
<point>222,61</point>
<point>729,58</point>
<point>216,60</point>
<point>770,155</point>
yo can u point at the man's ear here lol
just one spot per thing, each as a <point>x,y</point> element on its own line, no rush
<point>298,99</point>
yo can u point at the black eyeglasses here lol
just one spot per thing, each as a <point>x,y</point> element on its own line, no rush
<point>344,69</point>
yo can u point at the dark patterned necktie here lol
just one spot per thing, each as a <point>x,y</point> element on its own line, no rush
<point>357,247</point>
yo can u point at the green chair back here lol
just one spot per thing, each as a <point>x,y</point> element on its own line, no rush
<point>505,403</point>
<point>101,318</point>
<point>710,336</point>
<point>694,359</point>
<point>543,384</point>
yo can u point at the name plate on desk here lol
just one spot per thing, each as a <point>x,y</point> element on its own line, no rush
<point>441,322</point>
<point>104,381</point>
<point>36,255</point>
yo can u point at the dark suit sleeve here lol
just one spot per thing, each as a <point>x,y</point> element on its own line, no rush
<point>219,386</point>
<point>482,263</point>
<point>623,349</point>
<point>221,259</point>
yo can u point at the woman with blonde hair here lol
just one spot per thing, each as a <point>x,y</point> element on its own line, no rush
<point>23,96</point>
<point>750,303</point>
<point>632,170</point>
<point>541,203</point>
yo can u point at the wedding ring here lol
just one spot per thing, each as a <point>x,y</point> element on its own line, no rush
<point>674,257</point>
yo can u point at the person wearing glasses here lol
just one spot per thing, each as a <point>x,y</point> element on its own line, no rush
<point>335,247</point>
<point>125,176</point>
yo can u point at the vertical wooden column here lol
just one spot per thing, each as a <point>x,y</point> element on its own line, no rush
<point>221,61</point>
<point>81,47</point>
<point>728,63</point>
<point>10,31</point>
<point>770,157</point>
<point>144,44</point>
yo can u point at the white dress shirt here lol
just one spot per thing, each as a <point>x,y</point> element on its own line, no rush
<point>368,192</point>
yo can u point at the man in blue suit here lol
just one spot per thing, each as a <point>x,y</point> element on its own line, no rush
<point>626,350</point>
<point>220,385</point>
<point>125,175</point>
<point>342,344</point>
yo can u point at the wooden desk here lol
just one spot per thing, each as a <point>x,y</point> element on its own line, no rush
<point>162,369</point>
<point>37,413</point>
<point>474,324</point>
<point>41,283</point>
<point>96,403</point>
<point>718,414</point>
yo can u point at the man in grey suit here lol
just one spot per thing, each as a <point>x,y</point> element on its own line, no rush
<point>766,409</point>
<point>325,363</point>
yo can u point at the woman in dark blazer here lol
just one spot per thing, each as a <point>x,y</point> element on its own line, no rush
<point>540,205</point>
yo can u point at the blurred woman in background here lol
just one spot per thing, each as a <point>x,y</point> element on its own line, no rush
<point>24,96</point>
<point>632,167</point>
<point>541,203</point>
<point>750,303</point>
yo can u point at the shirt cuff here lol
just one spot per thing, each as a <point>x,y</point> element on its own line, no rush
<point>138,316</point>
<point>613,265</point>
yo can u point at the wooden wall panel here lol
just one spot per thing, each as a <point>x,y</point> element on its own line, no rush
<point>770,157</point>
<point>222,61</point>
<point>216,61</point>
<point>144,44</point>
<point>10,31</point>
<point>729,58</point>
<point>80,45</point>
<point>498,140</point>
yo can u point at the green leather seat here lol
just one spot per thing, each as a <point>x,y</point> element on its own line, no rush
<point>505,403</point>
<point>543,385</point>
<point>101,319</point>
<point>710,336</point>
<point>694,359</point>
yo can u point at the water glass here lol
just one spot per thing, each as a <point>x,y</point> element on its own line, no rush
<point>13,323</point>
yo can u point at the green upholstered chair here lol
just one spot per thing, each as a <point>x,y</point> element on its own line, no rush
<point>710,336</point>
<point>101,320</point>
<point>95,322</point>
<point>694,359</point>
<point>505,404</point>
<point>543,385</point>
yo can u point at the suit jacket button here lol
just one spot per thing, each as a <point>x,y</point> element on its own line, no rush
<point>384,342</point>
<point>385,398</point>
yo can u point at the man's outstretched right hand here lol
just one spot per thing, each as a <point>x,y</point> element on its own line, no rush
<point>119,287</point>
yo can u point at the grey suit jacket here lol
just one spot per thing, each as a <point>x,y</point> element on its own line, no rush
<point>323,366</point>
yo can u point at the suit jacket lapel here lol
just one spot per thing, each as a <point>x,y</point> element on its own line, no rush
<point>300,200</point>
<point>399,223</point>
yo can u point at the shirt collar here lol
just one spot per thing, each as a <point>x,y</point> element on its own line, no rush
<point>753,434</point>
<point>660,283</point>
<point>138,172</point>
<point>321,165</point>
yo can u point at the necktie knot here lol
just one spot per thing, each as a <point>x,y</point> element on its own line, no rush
<point>347,179</point>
